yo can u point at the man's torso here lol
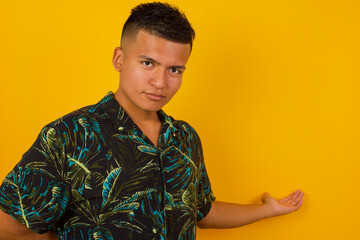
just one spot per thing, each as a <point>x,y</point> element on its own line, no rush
<point>99,176</point>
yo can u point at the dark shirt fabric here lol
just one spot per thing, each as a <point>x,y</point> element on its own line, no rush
<point>93,174</point>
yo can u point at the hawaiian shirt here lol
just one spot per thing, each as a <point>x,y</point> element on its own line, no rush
<point>93,174</point>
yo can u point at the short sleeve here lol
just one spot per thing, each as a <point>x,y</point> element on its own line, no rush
<point>35,192</point>
<point>205,194</point>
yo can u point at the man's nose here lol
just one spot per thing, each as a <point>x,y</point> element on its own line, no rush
<point>159,78</point>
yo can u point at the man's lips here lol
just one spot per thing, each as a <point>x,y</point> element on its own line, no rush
<point>153,96</point>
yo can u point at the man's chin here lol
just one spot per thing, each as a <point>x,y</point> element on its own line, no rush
<point>154,107</point>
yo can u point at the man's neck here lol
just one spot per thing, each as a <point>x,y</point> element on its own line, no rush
<point>148,122</point>
<point>140,118</point>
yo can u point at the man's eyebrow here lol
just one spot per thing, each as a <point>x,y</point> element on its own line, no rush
<point>180,67</point>
<point>156,62</point>
<point>149,59</point>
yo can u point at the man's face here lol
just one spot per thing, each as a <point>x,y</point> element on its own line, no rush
<point>151,70</point>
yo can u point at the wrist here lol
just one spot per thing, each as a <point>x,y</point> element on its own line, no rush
<point>268,210</point>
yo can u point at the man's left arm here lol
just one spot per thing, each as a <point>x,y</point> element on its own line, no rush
<point>231,215</point>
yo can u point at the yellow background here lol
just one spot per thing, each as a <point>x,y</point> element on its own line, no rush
<point>272,87</point>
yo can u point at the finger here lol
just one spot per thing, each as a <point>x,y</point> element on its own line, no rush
<point>293,200</point>
<point>299,204</point>
<point>299,197</point>
<point>295,195</point>
<point>286,199</point>
<point>264,196</point>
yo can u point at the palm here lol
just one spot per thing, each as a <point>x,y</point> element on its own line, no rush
<point>284,205</point>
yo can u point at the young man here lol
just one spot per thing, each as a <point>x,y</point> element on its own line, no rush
<point>122,168</point>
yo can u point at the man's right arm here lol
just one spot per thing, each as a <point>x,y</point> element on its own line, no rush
<point>10,229</point>
<point>231,215</point>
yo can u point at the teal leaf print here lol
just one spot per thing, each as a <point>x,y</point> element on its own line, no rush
<point>72,221</point>
<point>169,200</point>
<point>75,222</point>
<point>110,185</point>
<point>101,234</point>
<point>78,164</point>
<point>54,142</point>
<point>132,227</point>
<point>21,206</point>
<point>59,198</point>
<point>38,166</point>
<point>188,196</point>
<point>187,230</point>
<point>148,149</point>
<point>93,180</point>
<point>83,205</point>
<point>127,207</point>
<point>149,167</point>
<point>135,197</point>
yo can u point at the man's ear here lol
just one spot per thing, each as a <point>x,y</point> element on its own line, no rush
<point>118,58</point>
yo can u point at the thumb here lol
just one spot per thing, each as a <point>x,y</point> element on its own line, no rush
<point>265,196</point>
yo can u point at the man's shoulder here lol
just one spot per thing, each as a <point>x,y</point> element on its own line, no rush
<point>79,116</point>
<point>184,126</point>
<point>181,124</point>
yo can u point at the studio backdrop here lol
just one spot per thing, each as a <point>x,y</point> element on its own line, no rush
<point>272,88</point>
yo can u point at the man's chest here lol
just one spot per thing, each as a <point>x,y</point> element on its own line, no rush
<point>126,179</point>
<point>135,163</point>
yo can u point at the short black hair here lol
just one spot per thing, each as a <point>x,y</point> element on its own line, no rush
<point>160,19</point>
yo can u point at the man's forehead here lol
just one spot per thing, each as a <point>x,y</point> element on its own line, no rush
<point>160,49</point>
<point>150,40</point>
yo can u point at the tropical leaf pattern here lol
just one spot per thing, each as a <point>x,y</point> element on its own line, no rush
<point>93,174</point>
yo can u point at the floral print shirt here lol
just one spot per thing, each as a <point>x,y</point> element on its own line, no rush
<point>93,174</point>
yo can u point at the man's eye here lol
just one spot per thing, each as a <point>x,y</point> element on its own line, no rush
<point>175,70</point>
<point>147,63</point>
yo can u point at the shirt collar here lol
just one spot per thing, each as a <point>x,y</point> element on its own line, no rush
<point>123,122</point>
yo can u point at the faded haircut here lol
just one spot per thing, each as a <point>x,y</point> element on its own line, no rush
<point>160,19</point>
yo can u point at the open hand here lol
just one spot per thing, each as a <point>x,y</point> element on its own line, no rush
<point>284,205</point>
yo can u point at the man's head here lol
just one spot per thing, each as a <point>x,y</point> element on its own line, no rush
<point>155,48</point>
<point>159,19</point>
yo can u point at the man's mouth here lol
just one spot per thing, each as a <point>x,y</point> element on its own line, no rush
<point>153,96</point>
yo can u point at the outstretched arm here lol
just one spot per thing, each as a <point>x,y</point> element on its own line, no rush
<point>231,215</point>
